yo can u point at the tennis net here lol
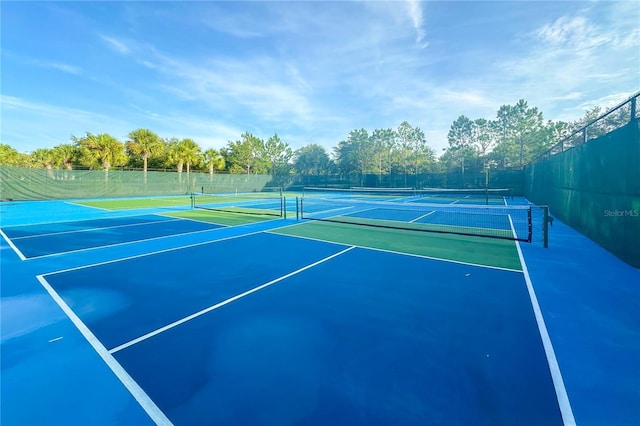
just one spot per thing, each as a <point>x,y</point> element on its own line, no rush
<point>253,204</point>
<point>359,191</point>
<point>465,196</point>
<point>503,222</point>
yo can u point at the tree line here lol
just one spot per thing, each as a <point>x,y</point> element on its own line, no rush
<point>517,135</point>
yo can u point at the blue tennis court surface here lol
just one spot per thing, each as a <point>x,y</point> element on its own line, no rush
<point>46,239</point>
<point>252,325</point>
<point>339,334</point>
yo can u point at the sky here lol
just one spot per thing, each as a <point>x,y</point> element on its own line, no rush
<point>310,71</point>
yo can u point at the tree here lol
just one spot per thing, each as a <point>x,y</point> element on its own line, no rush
<point>144,143</point>
<point>519,124</point>
<point>277,155</point>
<point>213,160</point>
<point>383,143</point>
<point>185,152</point>
<point>42,157</point>
<point>100,151</point>
<point>460,141</point>
<point>64,155</point>
<point>10,157</point>
<point>245,155</point>
<point>483,137</point>
<point>311,160</point>
<point>404,139</point>
<point>354,154</point>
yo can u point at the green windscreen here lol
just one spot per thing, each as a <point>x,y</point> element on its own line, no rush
<point>595,188</point>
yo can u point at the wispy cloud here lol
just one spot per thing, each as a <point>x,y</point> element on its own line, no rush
<point>415,12</point>
<point>69,69</point>
<point>116,45</point>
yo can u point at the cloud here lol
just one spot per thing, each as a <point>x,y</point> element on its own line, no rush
<point>415,13</point>
<point>116,45</point>
<point>69,69</point>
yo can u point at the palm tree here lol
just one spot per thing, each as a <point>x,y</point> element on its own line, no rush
<point>145,143</point>
<point>63,156</point>
<point>213,160</point>
<point>186,151</point>
<point>42,157</point>
<point>102,150</point>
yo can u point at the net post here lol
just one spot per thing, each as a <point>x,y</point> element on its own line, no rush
<point>193,201</point>
<point>545,226</point>
<point>530,225</point>
<point>284,205</point>
<point>298,205</point>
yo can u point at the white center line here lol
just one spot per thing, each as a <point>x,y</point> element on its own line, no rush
<point>224,302</point>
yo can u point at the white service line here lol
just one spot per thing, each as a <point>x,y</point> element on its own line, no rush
<point>424,215</point>
<point>421,256</point>
<point>554,367</point>
<point>224,302</point>
<point>97,229</point>
<point>13,246</point>
<point>136,391</point>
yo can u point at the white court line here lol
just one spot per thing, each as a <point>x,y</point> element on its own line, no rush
<point>122,259</point>
<point>15,249</point>
<point>224,302</point>
<point>424,215</point>
<point>554,367</point>
<point>422,256</point>
<point>136,391</point>
<point>51,222</point>
<point>125,243</point>
<point>97,229</point>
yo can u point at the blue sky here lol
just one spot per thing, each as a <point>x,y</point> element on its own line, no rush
<point>310,71</point>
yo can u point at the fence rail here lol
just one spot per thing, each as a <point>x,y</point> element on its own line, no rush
<point>616,117</point>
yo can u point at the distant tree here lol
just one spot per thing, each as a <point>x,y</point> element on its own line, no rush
<point>213,160</point>
<point>277,155</point>
<point>64,155</point>
<point>354,155</point>
<point>383,141</point>
<point>143,143</point>
<point>10,157</point>
<point>311,160</point>
<point>43,158</point>
<point>460,138</point>
<point>519,124</point>
<point>100,151</point>
<point>186,152</point>
<point>483,137</point>
<point>246,155</point>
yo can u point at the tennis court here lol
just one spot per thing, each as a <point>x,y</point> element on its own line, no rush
<point>155,312</point>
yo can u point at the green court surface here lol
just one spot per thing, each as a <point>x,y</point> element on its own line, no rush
<point>474,250</point>
<point>137,203</point>
<point>220,217</point>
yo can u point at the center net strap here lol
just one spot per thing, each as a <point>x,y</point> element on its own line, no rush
<point>503,222</point>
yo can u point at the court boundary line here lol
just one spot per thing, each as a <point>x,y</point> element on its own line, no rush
<point>122,259</point>
<point>97,229</point>
<point>422,256</point>
<point>423,216</point>
<point>13,246</point>
<point>75,203</point>
<point>224,302</point>
<point>147,404</point>
<point>554,368</point>
<point>82,220</point>
<point>124,243</point>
